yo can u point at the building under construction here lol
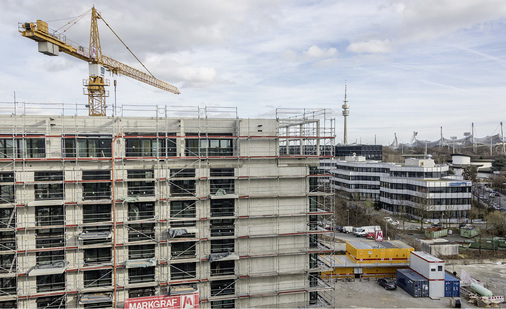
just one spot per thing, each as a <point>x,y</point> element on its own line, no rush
<point>98,211</point>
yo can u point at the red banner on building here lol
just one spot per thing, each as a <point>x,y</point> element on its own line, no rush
<point>187,301</point>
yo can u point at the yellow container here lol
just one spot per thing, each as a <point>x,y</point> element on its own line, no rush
<point>386,252</point>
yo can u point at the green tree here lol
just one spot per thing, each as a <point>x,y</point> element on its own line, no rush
<point>496,223</point>
<point>498,181</point>
<point>471,173</point>
<point>499,164</point>
<point>474,213</point>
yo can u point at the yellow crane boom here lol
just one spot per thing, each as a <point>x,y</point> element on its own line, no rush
<point>51,42</point>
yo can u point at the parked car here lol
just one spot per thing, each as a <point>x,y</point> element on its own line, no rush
<point>387,284</point>
<point>338,228</point>
<point>360,232</point>
<point>370,235</point>
<point>347,229</point>
<point>394,222</point>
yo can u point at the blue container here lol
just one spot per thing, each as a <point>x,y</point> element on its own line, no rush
<point>413,283</point>
<point>452,286</point>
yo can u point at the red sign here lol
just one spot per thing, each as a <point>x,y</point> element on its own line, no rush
<point>379,235</point>
<point>187,301</point>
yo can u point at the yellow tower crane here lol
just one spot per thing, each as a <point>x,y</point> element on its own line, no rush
<point>52,42</point>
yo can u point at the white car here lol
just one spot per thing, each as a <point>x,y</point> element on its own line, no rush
<point>387,219</point>
<point>394,222</point>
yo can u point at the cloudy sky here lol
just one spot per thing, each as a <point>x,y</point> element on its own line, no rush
<point>409,65</point>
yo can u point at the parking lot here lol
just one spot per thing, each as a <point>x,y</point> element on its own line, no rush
<point>368,294</point>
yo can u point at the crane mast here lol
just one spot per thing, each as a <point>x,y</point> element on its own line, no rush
<point>96,83</point>
<point>51,42</point>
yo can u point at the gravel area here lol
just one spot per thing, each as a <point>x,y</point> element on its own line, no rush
<point>368,294</point>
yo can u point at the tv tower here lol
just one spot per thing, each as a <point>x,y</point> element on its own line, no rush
<point>346,112</point>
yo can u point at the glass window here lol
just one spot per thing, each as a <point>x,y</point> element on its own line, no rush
<point>222,227</point>
<point>8,286</point>
<point>96,213</point>
<point>141,188</point>
<point>227,303</point>
<point>183,250</point>
<point>141,210</point>
<point>50,257</point>
<point>50,215</point>
<point>222,186</point>
<point>7,194</point>
<point>96,191</point>
<point>222,268</point>
<point>182,173</point>
<point>141,174</point>
<point>182,271</point>
<point>221,172</point>
<point>7,176</point>
<point>141,252</point>
<point>6,148</point>
<point>222,208</point>
<point>31,148</point>
<point>50,238</point>
<point>89,147</point>
<point>182,187</point>
<point>144,274</point>
<point>146,147</point>
<point>222,287</point>
<point>96,278</point>
<point>7,241</point>
<point>52,302</point>
<point>222,245</point>
<point>49,283</point>
<point>182,209</point>
<point>97,255</point>
<point>97,175</point>
<point>49,191</point>
<point>10,304</point>
<point>7,263</point>
<point>48,176</point>
<point>139,232</point>
<point>208,146</point>
<point>181,212</point>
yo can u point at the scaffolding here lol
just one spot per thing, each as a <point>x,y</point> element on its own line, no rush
<point>191,199</point>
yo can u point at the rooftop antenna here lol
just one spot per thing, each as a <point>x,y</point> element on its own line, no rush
<point>441,138</point>
<point>346,112</point>
<point>502,139</point>
<point>472,135</point>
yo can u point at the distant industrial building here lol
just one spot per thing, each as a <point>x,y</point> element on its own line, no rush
<point>370,152</point>
<point>418,188</point>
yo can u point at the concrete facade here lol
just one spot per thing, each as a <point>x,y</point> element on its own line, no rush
<point>97,210</point>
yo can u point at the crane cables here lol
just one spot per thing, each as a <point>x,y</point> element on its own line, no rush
<point>125,45</point>
<point>68,25</point>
